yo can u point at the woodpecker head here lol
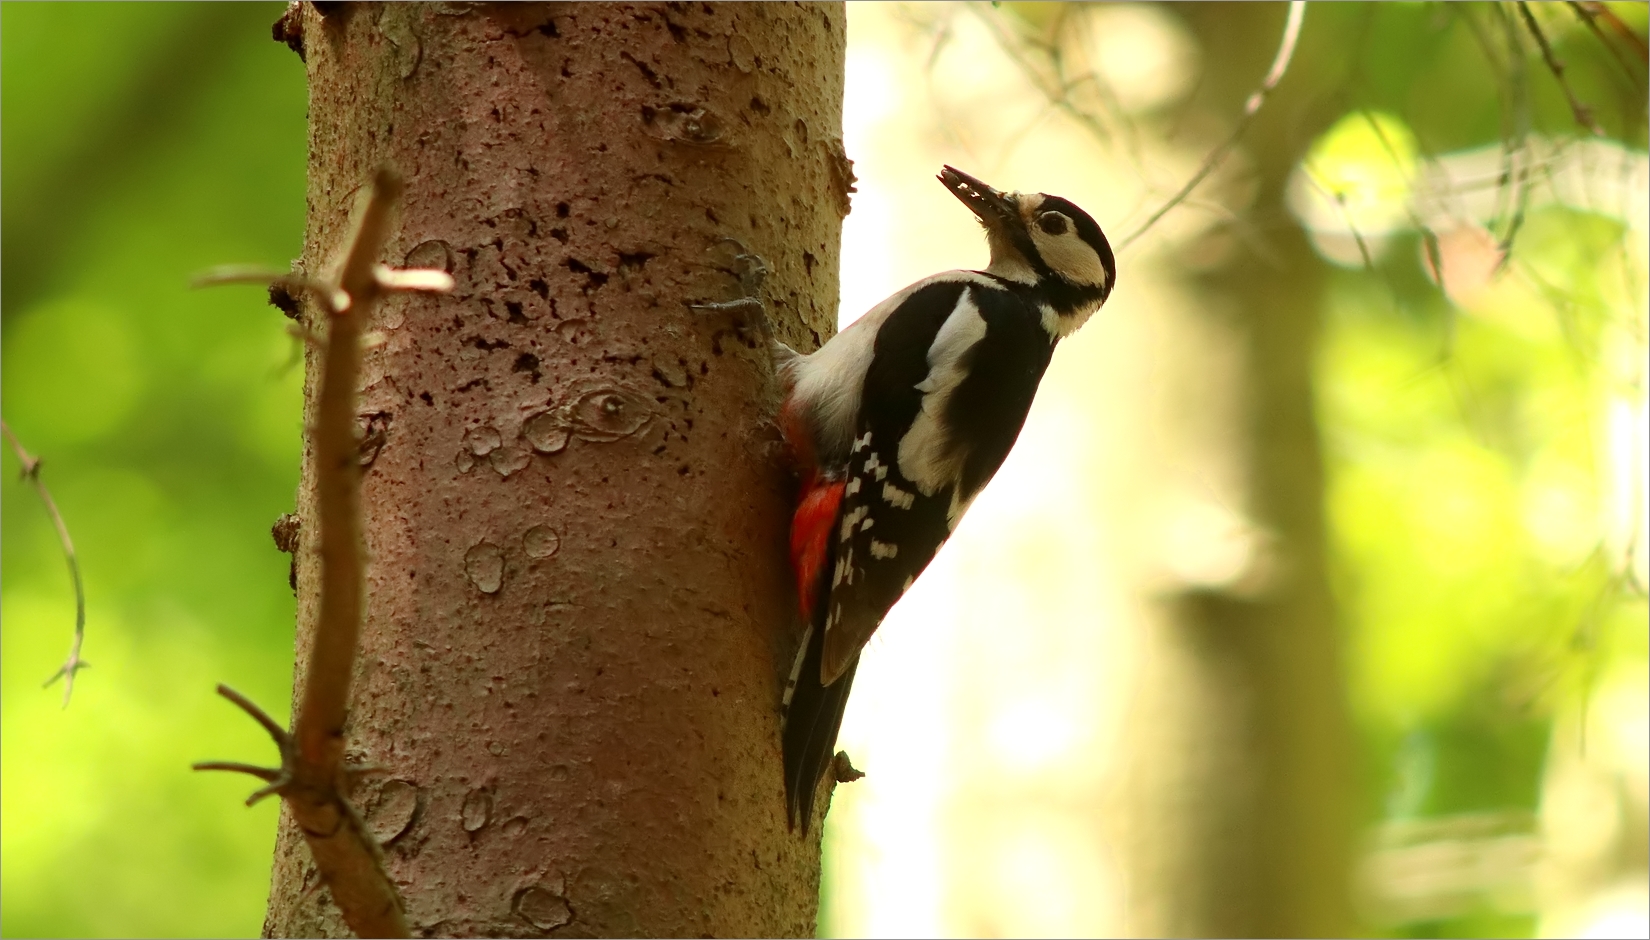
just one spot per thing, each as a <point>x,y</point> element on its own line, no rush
<point>1043,241</point>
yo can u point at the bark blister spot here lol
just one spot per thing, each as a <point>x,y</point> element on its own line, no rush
<point>547,431</point>
<point>540,541</point>
<point>483,440</point>
<point>508,459</point>
<point>392,816</point>
<point>477,810</point>
<point>543,908</point>
<point>484,565</point>
<point>434,253</point>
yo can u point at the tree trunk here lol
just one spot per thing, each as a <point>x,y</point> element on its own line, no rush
<point>578,613</point>
<point>1237,804</point>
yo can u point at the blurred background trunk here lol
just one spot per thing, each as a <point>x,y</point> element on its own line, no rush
<point>1235,801</point>
<point>574,637</point>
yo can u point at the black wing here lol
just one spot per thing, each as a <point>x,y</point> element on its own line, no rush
<point>887,530</point>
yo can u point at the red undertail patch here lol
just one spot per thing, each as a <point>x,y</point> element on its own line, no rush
<point>811,529</point>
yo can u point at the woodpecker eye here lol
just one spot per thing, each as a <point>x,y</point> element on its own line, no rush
<point>1053,223</point>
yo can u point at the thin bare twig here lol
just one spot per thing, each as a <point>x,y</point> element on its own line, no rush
<point>1055,84</point>
<point>1626,32</point>
<point>31,472</point>
<point>1516,149</point>
<point>312,778</point>
<point>1583,114</point>
<point>1588,13</point>
<point>1274,75</point>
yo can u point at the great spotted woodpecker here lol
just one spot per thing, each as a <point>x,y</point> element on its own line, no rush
<point>900,419</point>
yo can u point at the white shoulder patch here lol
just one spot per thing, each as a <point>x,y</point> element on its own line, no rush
<point>927,455</point>
<point>827,383</point>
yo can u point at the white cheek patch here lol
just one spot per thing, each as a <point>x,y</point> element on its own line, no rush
<point>1070,256</point>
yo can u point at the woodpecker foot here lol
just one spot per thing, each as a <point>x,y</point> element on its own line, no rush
<point>752,270</point>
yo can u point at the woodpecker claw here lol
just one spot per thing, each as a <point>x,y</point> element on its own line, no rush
<point>752,271</point>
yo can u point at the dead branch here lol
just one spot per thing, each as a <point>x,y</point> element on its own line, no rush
<point>1518,152</point>
<point>1583,114</point>
<point>1589,13</point>
<point>1593,8</point>
<point>31,472</point>
<point>312,778</point>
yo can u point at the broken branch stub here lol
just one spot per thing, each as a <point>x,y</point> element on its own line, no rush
<point>312,777</point>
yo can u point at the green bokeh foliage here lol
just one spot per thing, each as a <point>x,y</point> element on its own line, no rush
<point>1464,446</point>
<point>143,143</point>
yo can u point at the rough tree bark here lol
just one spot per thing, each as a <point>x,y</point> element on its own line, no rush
<point>1237,803</point>
<point>575,631</point>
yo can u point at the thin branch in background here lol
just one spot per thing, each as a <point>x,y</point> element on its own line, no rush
<point>1588,13</point>
<point>1583,114</point>
<point>1338,199</point>
<point>1057,87</point>
<point>1597,9</point>
<point>31,472</point>
<point>1519,149</point>
<point>1464,11</point>
<point>312,778</point>
<point>1274,75</point>
<point>1429,238</point>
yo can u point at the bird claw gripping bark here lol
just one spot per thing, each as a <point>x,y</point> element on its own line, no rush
<point>752,270</point>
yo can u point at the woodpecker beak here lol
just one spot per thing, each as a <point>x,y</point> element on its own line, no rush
<point>992,206</point>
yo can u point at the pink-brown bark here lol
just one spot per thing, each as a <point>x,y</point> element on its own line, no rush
<point>576,606</point>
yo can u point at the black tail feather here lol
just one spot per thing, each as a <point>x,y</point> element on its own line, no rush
<point>813,716</point>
